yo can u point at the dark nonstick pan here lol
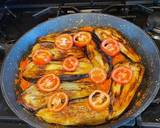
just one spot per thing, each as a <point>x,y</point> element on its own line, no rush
<point>143,44</point>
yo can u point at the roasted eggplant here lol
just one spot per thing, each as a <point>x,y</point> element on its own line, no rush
<point>34,99</point>
<point>34,71</point>
<point>125,48</point>
<point>123,96</point>
<point>76,113</point>
<point>67,65</point>
<point>96,58</point>
<point>57,53</point>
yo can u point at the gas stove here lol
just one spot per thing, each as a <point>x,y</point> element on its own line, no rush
<point>17,17</point>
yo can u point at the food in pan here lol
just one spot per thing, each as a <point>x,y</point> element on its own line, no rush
<point>83,76</point>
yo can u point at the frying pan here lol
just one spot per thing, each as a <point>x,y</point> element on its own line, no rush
<point>143,44</point>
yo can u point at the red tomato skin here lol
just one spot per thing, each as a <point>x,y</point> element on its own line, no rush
<point>109,43</point>
<point>42,88</point>
<point>80,43</point>
<point>121,69</point>
<point>69,41</point>
<point>53,96</point>
<point>73,61</point>
<point>43,59</point>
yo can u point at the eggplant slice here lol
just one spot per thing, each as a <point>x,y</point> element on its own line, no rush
<point>34,71</point>
<point>125,48</point>
<point>96,58</point>
<point>76,113</point>
<point>127,91</point>
<point>57,53</point>
<point>34,99</point>
<point>80,113</point>
<point>77,85</point>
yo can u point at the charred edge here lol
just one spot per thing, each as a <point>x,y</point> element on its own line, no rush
<point>96,40</point>
<point>31,80</point>
<point>72,77</point>
<point>47,45</point>
<point>68,78</point>
<point>105,57</point>
<point>109,72</point>
<point>21,102</point>
<point>78,99</point>
<point>110,108</point>
<point>19,89</point>
<point>86,53</point>
<point>108,60</point>
<point>127,57</point>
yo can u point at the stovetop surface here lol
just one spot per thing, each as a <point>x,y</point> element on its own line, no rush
<point>15,23</point>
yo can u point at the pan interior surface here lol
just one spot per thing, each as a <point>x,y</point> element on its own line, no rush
<point>139,41</point>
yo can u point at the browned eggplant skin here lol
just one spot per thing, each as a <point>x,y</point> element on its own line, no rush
<point>78,111</point>
<point>127,91</point>
<point>34,99</point>
<point>125,48</point>
<point>65,77</point>
<point>57,53</point>
<point>34,71</point>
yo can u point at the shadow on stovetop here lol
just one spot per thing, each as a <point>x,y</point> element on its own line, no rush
<point>5,110</point>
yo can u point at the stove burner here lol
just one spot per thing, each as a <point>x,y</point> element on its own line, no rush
<point>153,25</point>
<point>153,21</point>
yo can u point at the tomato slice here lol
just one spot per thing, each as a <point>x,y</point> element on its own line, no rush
<point>70,63</point>
<point>57,101</point>
<point>99,100</point>
<point>122,75</point>
<point>64,41</point>
<point>97,75</point>
<point>81,39</point>
<point>110,47</point>
<point>48,83</point>
<point>41,57</point>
